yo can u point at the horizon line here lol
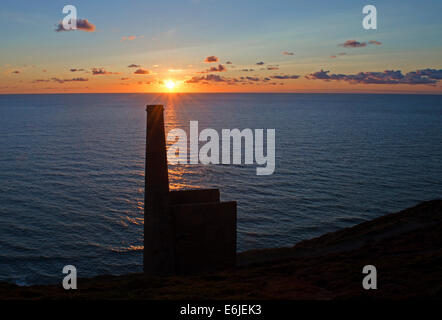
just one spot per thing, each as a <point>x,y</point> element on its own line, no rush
<point>230,92</point>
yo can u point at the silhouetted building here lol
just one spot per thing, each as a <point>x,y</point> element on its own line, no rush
<point>186,231</point>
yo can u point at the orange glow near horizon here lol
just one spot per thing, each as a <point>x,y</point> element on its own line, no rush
<point>170,85</point>
<point>26,83</point>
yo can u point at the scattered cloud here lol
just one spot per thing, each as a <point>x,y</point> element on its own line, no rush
<point>273,68</point>
<point>285,77</point>
<point>424,76</point>
<point>375,42</point>
<point>133,66</point>
<point>353,44</point>
<point>248,70</point>
<point>287,53</point>
<point>207,78</point>
<point>101,71</point>
<point>144,82</point>
<point>254,79</point>
<point>357,44</point>
<point>61,80</point>
<point>141,71</point>
<point>214,79</point>
<point>130,38</point>
<point>219,68</point>
<point>75,70</point>
<point>211,59</point>
<point>337,55</point>
<point>430,73</point>
<point>69,80</point>
<point>82,25</point>
<point>260,63</point>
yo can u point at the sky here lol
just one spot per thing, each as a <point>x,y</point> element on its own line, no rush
<point>221,46</point>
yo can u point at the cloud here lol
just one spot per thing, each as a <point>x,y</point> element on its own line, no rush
<point>260,63</point>
<point>213,78</point>
<point>101,71</point>
<point>211,59</point>
<point>430,73</point>
<point>321,75</point>
<point>254,79</point>
<point>357,44</point>
<point>15,72</point>
<point>61,80</point>
<point>133,65</point>
<point>248,70</point>
<point>229,62</point>
<point>353,44</point>
<point>219,68</point>
<point>285,77</point>
<point>245,80</point>
<point>272,68</point>
<point>424,76</point>
<point>82,24</point>
<point>125,79</point>
<point>141,71</point>
<point>75,70</point>
<point>287,53</point>
<point>69,80</point>
<point>130,38</point>
<point>208,78</point>
<point>339,54</point>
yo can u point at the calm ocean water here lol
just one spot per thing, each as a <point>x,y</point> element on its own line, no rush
<point>72,171</point>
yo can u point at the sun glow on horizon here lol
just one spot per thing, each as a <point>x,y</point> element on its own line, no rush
<point>170,84</point>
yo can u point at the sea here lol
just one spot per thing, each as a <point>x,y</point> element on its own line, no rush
<point>72,171</point>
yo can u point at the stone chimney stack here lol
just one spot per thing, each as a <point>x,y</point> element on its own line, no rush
<point>185,231</point>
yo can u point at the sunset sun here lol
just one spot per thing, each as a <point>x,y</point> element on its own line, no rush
<point>170,84</point>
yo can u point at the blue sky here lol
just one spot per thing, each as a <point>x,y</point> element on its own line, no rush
<point>179,34</point>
